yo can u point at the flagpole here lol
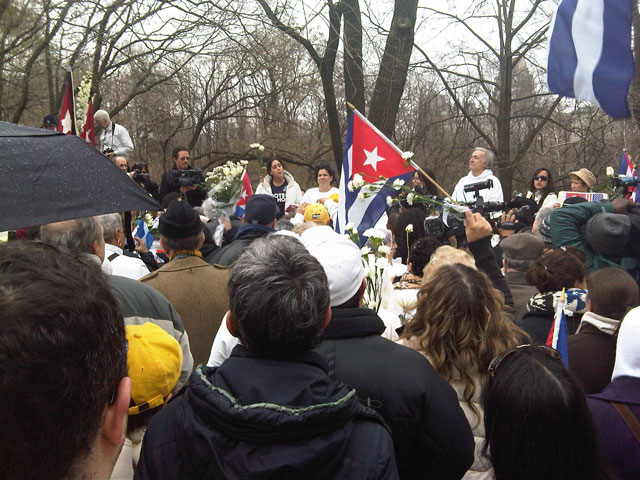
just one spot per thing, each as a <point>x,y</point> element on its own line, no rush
<point>413,164</point>
<point>73,100</point>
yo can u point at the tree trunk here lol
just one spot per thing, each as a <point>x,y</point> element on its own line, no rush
<point>634,94</point>
<point>353,73</point>
<point>393,67</point>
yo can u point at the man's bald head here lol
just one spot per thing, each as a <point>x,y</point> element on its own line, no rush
<point>82,235</point>
<point>121,162</point>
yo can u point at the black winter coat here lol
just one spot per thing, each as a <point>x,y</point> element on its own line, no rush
<point>255,418</point>
<point>246,234</point>
<point>431,434</point>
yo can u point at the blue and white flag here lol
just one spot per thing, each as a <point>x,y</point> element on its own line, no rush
<point>590,55</point>
<point>142,232</point>
<point>369,154</point>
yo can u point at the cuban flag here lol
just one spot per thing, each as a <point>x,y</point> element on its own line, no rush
<point>367,152</point>
<point>558,334</point>
<point>590,55</point>
<point>67,118</point>
<point>88,128</point>
<point>142,231</point>
<point>627,170</point>
<point>244,196</point>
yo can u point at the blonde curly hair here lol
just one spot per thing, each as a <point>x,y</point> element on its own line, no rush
<point>460,325</point>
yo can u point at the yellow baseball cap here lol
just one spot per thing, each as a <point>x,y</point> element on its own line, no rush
<point>318,213</point>
<point>154,359</point>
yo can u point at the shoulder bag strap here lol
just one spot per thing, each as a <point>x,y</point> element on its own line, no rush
<point>628,418</point>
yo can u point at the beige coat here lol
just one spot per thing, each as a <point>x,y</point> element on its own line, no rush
<point>481,468</point>
<point>198,292</point>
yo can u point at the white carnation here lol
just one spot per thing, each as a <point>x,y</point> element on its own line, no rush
<point>226,171</point>
<point>361,196</point>
<point>261,148</point>
<point>381,263</point>
<point>365,251</point>
<point>410,198</point>
<point>369,232</point>
<point>254,145</point>
<point>409,228</point>
<point>610,172</point>
<point>407,155</point>
<point>358,181</point>
<point>389,201</point>
<point>350,186</point>
<point>350,226</point>
<point>383,249</point>
<point>398,183</point>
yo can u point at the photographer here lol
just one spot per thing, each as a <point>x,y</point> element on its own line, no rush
<point>140,175</point>
<point>183,179</point>
<point>114,138</point>
<point>607,232</point>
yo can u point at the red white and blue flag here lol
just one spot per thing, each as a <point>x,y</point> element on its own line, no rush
<point>67,118</point>
<point>627,170</point>
<point>367,152</point>
<point>244,196</point>
<point>558,334</point>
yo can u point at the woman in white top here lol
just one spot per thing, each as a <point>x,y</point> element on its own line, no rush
<point>541,189</point>
<point>324,175</point>
<point>281,185</point>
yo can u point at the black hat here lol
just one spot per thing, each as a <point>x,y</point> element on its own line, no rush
<point>179,221</point>
<point>608,233</point>
<point>261,209</point>
<point>49,120</point>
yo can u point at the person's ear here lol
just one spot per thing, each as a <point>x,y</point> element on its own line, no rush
<point>327,319</point>
<point>588,304</point>
<point>231,326</point>
<point>163,245</point>
<point>243,220</point>
<point>273,224</point>
<point>166,399</point>
<point>363,288</point>
<point>201,241</point>
<point>115,415</point>
<point>98,249</point>
<point>119,237</point>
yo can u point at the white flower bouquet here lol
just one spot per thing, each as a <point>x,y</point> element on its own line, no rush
<point>225,182</point>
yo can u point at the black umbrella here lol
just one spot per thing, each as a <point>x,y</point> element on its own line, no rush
<point>48,177</point>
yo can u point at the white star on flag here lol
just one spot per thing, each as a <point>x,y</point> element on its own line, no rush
<point>373,158</point>
<point>66,123</point>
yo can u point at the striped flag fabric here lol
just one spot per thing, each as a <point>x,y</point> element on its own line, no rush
<point>247,191</point>
<point>369,153</point>
<point>558,334</point>
<point>590,55</point>
<point>588,196</point>
<point>142,232</point>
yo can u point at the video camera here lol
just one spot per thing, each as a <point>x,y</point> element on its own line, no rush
<point>480,206</point>
<point>624,184</point>
<point>187,178</point>
<point>138,175</point>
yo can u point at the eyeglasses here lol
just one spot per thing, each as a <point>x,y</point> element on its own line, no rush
<point>543,178</point>
<point>495,363</point>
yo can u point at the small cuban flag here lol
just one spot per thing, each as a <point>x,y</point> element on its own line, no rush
<point>142,231</point>
<point>244,196</point>
<point>558,334</point>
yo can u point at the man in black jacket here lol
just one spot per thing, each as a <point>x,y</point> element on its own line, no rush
<point>259,220</point>
<point>270,410</point>
<point>431,435</point>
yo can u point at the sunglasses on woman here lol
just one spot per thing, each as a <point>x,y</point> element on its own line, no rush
<point>495,363</point>
<point>542,178</point>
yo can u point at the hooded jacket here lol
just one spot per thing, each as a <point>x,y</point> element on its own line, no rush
<point>493,194</point>
<point>258,418</point>
<point>294,194</point>
<point>431,435</point>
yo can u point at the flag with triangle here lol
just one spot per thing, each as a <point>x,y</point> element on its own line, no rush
<point>88,128</point>
<point>67,118</point>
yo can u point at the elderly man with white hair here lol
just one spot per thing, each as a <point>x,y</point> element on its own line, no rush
<point>121,264</point>
<point>114,138</point>
<point>479,162</point>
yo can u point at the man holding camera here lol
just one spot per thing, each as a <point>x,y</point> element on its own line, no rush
<point>114,138</point>
<point>479,172</point>
<point>183,179</point>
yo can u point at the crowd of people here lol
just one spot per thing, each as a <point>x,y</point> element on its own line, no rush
<point>256,357</point>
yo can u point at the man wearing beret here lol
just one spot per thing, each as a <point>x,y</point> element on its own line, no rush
<point>196,289</point>
<point>520,252</point>
<point>259,220</point>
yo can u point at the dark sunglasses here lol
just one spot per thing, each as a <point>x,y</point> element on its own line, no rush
<point>495,363</point>
<point>543,178</point>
